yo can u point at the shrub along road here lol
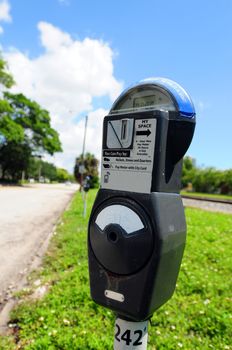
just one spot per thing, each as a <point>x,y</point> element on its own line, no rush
<point>27,217</point>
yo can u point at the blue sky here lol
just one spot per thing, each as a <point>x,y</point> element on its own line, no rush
<point>187,41</point>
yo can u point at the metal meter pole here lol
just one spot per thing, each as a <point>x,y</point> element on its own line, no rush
<point>85,204</point>
<point>130,335</point>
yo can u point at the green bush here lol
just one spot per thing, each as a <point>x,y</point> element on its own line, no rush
<point>206,180</point>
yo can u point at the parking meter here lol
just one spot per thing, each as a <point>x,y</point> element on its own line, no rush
<point>137,227</point>
<point>86,184</point>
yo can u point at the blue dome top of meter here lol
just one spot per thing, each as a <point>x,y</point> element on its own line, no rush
<point>155,93</point>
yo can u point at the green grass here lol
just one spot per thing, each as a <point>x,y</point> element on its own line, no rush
<point>209,195</point>
<point>197,317</point>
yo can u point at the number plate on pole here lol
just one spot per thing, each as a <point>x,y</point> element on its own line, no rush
<point>130,335</point>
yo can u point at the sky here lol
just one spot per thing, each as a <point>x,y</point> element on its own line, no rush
<point>74,57</point>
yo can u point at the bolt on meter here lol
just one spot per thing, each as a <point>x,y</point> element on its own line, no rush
<point>137,227</point>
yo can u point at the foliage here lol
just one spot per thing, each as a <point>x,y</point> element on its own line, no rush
<point>66,317</point>
<point>90,164</point>
<point>188,171</point>
<point>206,180</point>
<point>14,158</point>
<point>28,129</point>
<point>8,128</point>
<point>62,175</point>
<point>34,168</point>
<point>36,123</point>
<point>6,78</point>
<point>38,167</point>
<point>48,171</point>
<point>226,182</point>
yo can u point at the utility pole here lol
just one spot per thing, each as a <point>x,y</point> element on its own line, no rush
<point>83,153</point>
<point>83,149</point>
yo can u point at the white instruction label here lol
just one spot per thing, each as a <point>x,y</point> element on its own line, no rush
<point>130,169</point>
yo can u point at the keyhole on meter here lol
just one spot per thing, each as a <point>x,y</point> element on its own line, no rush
<point>112,236</point>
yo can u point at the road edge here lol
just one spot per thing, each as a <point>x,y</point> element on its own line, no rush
<point>34,264</point>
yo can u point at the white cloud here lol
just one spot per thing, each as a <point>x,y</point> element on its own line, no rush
<point>64,79</point>
<point>72,136</point>
<point>203,106</point>
<point>4,13</point>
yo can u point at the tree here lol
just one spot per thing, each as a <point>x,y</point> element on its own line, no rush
<point>36,124</point>
<point>25,128</point>
<point>90,164</point>
<point>33,169</point>
<point>226,183</point>
<point>8,128</point>
<point>48,171</point>
<point>188,171</point>
<point>6,78</point>
<point>14,158</point>
<point>207,180</point>
<point>34,132</point>
<point>38,167</point>
<point>62,175</point>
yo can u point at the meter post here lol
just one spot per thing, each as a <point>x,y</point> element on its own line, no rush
<point>130,335</point>
<point>137,228</point>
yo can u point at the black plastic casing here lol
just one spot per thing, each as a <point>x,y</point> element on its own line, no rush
<point>150,287</point>
<point>153,283</point>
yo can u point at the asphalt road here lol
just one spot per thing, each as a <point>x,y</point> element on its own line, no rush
<point>27,218</point>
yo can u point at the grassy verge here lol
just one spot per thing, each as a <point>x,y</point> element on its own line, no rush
<point>198,194</point>
<point>197,317</point>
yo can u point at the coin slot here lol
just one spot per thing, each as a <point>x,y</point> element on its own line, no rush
<point>124,129</point>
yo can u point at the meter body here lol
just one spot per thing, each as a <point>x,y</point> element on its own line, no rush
<point>137,227</point>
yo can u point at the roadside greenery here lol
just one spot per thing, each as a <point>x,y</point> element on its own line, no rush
<point>206,180</point>
<point>87,167</point>
<point>197,317</point>
<point>41,170</point>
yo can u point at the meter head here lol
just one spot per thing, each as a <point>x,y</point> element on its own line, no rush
<point>155,94</point>
<point>145,136</point>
